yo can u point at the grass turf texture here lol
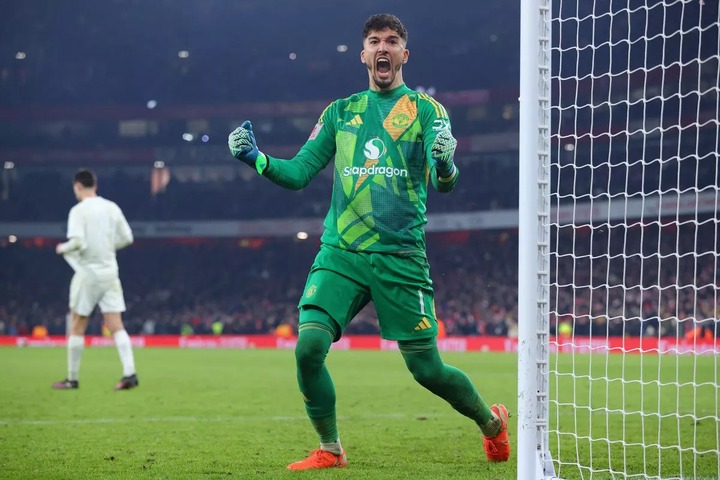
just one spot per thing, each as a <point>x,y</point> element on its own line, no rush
<point>237,414</point>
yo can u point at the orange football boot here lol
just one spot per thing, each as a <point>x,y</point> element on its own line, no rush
<point>320,459</point>
<point>497,448</point>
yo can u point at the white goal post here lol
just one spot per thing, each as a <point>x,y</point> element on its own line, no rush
<point>619,242</point>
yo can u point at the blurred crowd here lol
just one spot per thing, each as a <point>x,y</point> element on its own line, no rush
<point>194,193</point>
<point>46,195</point>
<point>128,52</point>
<point>652,279</point>
<point>253,286</point>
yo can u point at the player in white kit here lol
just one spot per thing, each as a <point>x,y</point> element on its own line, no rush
<point>97,228</point>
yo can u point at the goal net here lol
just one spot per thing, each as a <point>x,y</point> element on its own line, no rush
<point>625,147</point>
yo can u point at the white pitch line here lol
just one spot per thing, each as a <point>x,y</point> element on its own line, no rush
<point>242,418</point>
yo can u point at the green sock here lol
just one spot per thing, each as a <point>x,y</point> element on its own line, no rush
<point>314,380</point>
<point>449,383</point>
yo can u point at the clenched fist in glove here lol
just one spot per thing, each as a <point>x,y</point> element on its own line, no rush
<point>243,146</point>
<point>443,151</point>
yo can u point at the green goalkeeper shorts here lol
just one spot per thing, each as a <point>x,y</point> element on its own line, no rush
<point>342,282</point>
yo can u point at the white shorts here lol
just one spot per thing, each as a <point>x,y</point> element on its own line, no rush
<point>87,291</point>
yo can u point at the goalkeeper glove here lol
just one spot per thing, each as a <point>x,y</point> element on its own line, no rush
<point>243,146</point>
<point>443,151</point>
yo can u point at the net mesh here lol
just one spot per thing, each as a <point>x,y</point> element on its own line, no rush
<point>634,256</point>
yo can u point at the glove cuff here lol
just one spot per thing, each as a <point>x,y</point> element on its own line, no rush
<point>448,176</point>
<point>261,163</point>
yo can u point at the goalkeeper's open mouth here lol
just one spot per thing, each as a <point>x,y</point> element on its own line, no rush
<point>383,66</point>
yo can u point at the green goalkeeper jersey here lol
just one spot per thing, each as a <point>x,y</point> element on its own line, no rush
<point>381,142</point>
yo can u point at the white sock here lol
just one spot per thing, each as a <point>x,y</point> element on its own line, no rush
<point>333,447</point>
<point>124,347</point>
<point>492,427</point>
<point>75,345</point>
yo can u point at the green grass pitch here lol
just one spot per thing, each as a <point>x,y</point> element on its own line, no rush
<point>212,414</point>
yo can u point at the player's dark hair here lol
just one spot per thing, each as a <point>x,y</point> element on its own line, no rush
<point>383,21</point>
<point>85,177</point>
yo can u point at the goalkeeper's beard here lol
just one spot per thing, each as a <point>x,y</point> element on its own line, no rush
<point>381,83</point>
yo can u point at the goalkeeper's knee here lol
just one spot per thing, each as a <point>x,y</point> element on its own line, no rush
<point>423,360</point>
<point>313,344</point>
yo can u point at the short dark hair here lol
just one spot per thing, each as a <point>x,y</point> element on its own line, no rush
<point>382,21</point>
<point>85,177</point>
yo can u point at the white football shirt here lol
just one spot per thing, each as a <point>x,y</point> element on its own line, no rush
<point>97,228</point>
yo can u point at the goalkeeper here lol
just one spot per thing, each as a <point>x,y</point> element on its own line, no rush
<point>387,142</point>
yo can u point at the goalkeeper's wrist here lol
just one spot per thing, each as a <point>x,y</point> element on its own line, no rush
<point>447,174</point>
<point>261,163</point>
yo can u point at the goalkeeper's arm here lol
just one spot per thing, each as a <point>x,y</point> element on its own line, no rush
<point>295,173</point>
<point>438,143</point>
